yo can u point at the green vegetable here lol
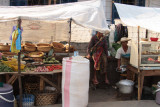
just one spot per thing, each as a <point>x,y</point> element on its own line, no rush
<point>4,58</point>
<point>4,68</point>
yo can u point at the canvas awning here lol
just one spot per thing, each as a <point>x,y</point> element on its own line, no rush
<point>88,14</point>
<point>145,17</point>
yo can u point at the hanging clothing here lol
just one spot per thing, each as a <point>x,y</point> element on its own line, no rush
<point>120,31</point>
<point>13,29</point>
<point>16,41</point>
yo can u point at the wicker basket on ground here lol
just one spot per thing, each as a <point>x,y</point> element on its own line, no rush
<point>44,47</point>
<point>5,48</point>
<point>46,97</point>
<point>58,47</point>
<point>31,88</point>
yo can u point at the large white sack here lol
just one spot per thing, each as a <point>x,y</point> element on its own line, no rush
<point>75,82</point>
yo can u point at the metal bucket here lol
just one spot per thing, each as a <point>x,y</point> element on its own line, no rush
<point>125,86</point>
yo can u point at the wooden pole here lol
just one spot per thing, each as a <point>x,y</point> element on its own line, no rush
<point>19,74</point>
<point>69,42</point>
<point>139,73</point>
<point>19,79</point>
<point>146,33</point>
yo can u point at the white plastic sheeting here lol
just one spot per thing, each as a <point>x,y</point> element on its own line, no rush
<point>88,14</point>
<point>145,17</point>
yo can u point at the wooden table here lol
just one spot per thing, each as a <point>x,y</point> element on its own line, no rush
<point>13,78</point>
<point>144,71</point>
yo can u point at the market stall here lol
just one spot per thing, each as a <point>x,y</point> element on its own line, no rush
<point>144,54</point>
<point>41,54</point>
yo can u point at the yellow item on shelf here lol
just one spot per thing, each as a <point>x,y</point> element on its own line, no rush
<point>15,67</point>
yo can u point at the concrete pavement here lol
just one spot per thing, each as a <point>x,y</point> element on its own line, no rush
<point>142,103</point>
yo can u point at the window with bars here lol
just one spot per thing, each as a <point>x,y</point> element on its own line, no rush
<point>37,2</point>
<point>130,2</point>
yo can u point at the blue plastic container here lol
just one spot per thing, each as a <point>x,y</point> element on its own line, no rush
<point>6,96</point>
<point>27,100</point>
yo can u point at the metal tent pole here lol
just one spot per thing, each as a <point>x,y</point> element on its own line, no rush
<point>69,42</point>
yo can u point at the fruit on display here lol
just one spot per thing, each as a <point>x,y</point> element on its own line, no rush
<point>45,68</point>
<point>50,60</point>
<point>54,67</point>
<point>41,69</point>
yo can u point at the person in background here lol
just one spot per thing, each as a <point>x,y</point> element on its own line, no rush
<point>98,50</point>
<point>123,53</point>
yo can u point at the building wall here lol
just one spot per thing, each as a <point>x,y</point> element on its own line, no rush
<point>4,2</point>
<point>152,3</point>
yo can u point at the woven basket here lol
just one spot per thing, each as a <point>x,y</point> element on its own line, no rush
<point>29,48</point>
<point>43,44</point>
<point>36,54</point>
<point>29,44</point>
<point>58,47</point>
<point>31,88</point>
<point>5,48</point>
<point>9,54</point>
<point>46,98</point>
<point>44,47</point>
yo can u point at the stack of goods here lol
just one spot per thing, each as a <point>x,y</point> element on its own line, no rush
<point>54,67</point>
<point>10,64</point>
<point>50,60</point>
<point>43,68</point>
<point>5,68</point>
<point>5,48</point>
<point>9,54</point>
<point>29,47</point>
<point>44,47</point>
<point>58,47</point>
<point>72,49</point>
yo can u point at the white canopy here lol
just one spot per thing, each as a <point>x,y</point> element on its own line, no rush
<point>88,14</point>
<point>145,17</point>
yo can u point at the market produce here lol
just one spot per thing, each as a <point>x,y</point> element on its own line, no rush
<point>50,60</point>
<point>5,68</point>
<point>41,69</point>
<point>54,67</point>
<point>29,69</point>
<point>4,58</point>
